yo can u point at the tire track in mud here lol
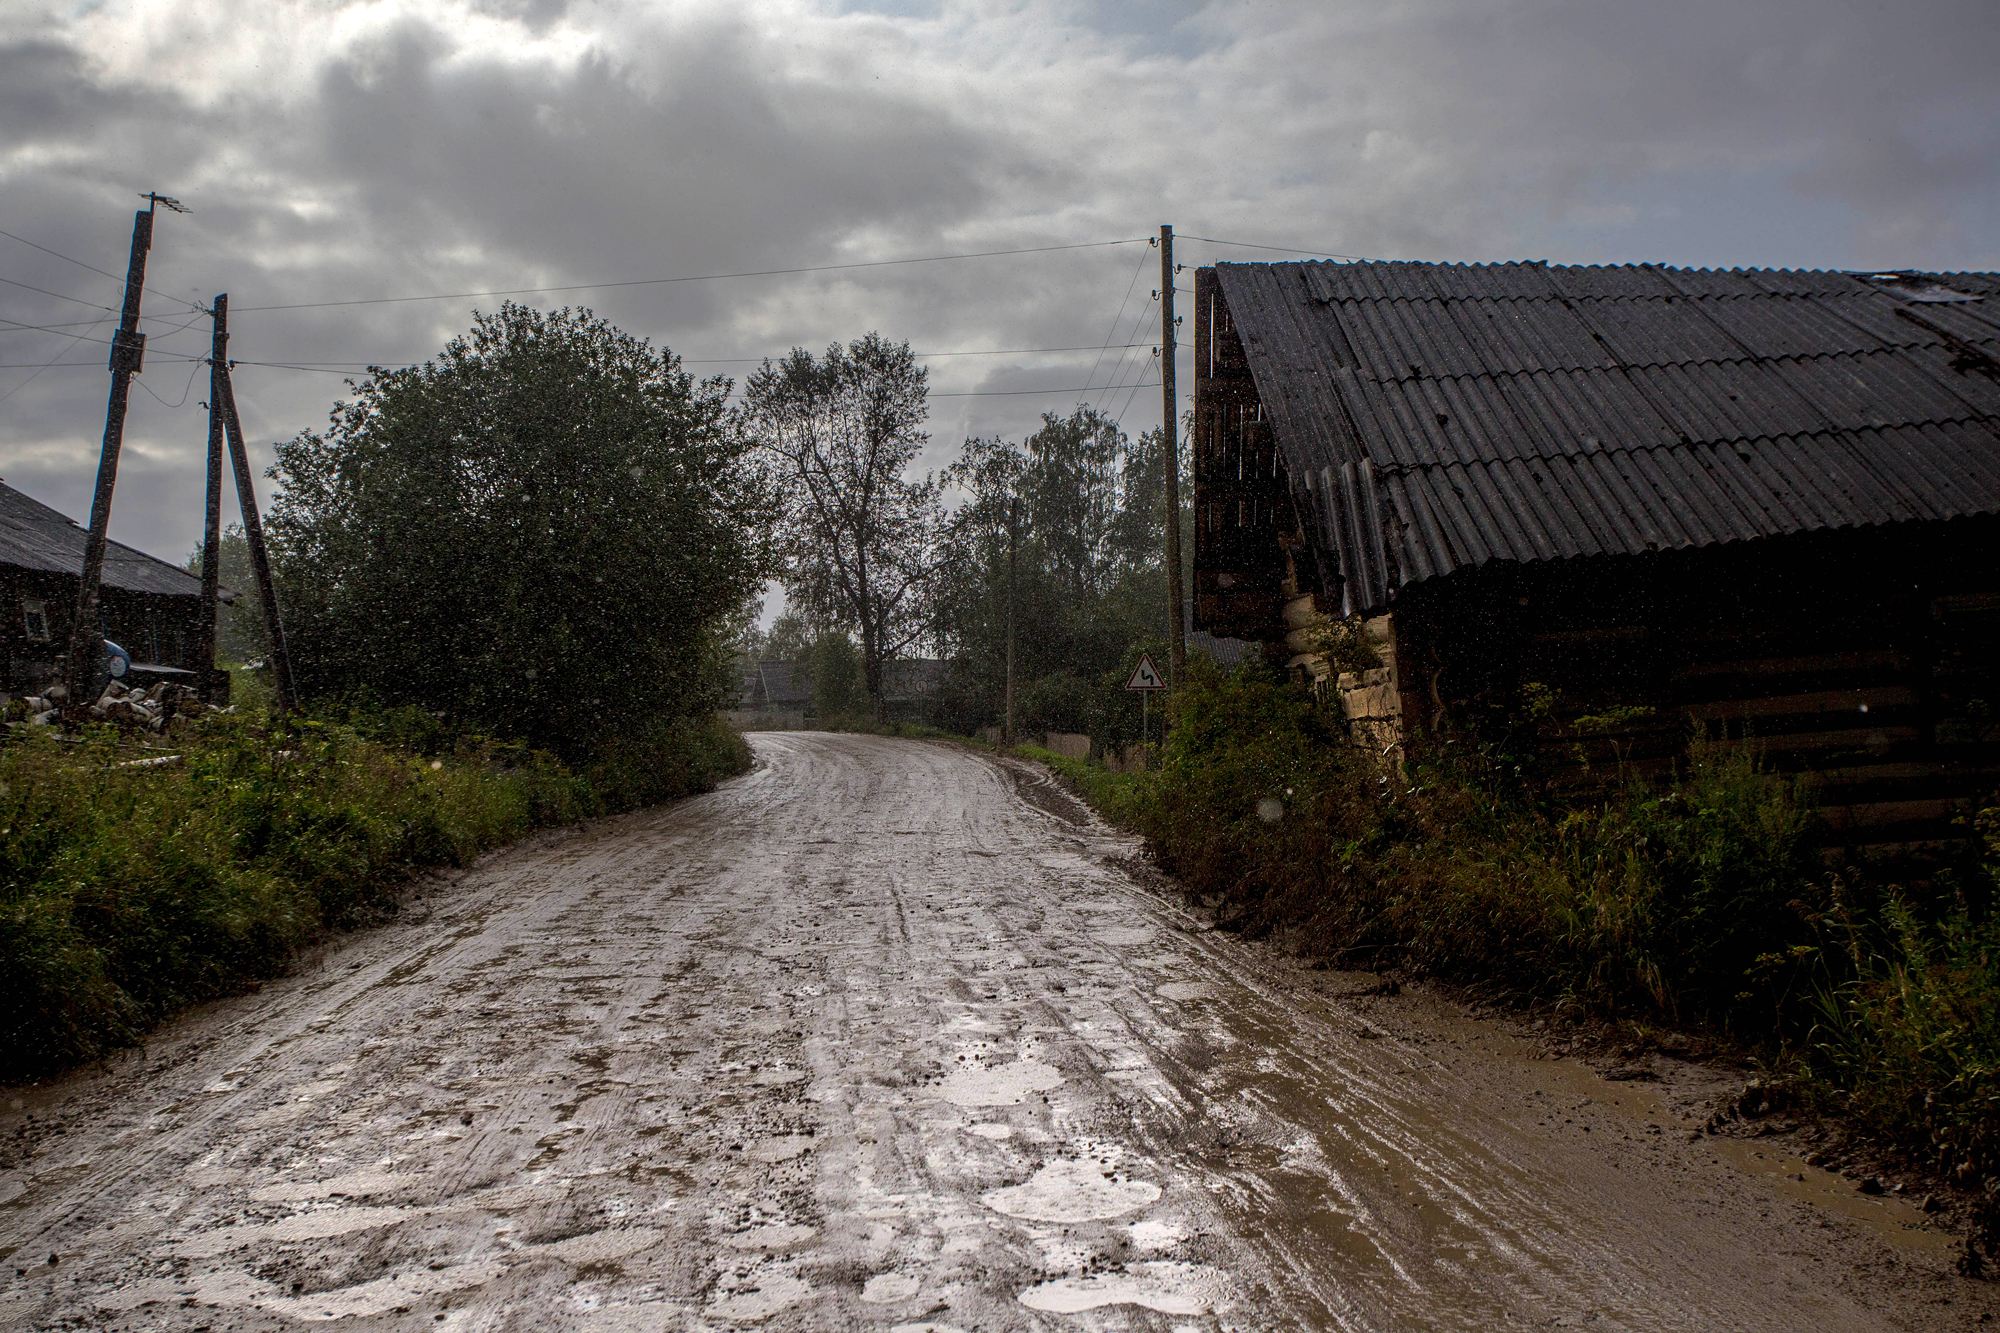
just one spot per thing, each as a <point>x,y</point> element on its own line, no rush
<point>879,1036</point>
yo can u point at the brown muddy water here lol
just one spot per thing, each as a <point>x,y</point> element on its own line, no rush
<point>884,1036</point>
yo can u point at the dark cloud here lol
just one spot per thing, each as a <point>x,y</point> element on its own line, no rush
<point>466,145</point>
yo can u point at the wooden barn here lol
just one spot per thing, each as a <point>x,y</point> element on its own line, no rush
<point>1599,508</point>
<point>150,608</point>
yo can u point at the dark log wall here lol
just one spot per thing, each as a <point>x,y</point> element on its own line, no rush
<point>154,628</point>
<point>1243,516</point>
<point>1863,659</point>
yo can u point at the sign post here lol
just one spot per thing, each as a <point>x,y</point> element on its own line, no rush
<point>1145,679</point>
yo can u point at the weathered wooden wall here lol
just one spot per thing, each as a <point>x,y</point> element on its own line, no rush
<point>1864,660</point>
<point>1243,515</point>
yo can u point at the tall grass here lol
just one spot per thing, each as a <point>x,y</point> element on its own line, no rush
<point>130,890</point>
<point>1700,901</point>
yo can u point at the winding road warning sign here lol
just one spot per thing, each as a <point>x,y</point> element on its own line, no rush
<point>1146,676</point>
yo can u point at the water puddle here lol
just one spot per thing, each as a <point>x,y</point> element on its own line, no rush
<point>356,1185</point>
<point>601,1247</point>
<point>991,1131</point>
<point>1072,1189</point>
<point>1000,1085</point>
<point>1125,937</point>
<point>384,1294</point>
<point>767,1294</point>
<point>1160,1284</point>
<point>888,1288</point>
<point>782,1149</point>
<point>306,1226</point>
<point>770,1239</point>
<point>1186,990</point>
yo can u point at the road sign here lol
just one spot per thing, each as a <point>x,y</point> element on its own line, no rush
<point>1146,676</point>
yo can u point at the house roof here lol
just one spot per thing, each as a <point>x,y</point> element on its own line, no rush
<point>34,536</point>
<point>782,684</point>
<point>1435,417</point>
<point>911,677</point>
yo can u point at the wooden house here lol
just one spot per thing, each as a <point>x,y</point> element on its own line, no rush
<point>1599,508</point>
<point>149,607</point>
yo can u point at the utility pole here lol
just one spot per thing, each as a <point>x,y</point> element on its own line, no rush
<point>128,352</point>
<point>1169,430</point>
<point>211,532</point>
<point>253,535</point>
<point>1013,548</point>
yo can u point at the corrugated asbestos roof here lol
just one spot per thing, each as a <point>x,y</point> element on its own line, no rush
<point>34,536</point>
<point>1441,416</point>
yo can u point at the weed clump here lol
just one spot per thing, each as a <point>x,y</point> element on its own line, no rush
<point>130,889</point>
<point>1701,900</point>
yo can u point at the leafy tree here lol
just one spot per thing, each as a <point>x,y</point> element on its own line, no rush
<point>1084,510</point>
<point>239,625</point>
<point>1070,482</point>
<point>546,531</point>
<point>835,672</point>
<point>860,539</point>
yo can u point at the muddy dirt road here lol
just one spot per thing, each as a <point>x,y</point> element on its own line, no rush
<point>882,1036</point>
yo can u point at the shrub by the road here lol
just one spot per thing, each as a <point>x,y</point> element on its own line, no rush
<point>129,890</point>
<point>1701,902</point>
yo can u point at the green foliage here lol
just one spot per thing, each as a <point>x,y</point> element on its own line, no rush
<point>1068,525</point>
<point>860,539</point>
<point>1670,901</point>
<point>1701,900</point>
<point>128,891</point>
<point>239,625</point>
<point>542,533</point>
<point>1910,1026</point>
<point>835,672</point>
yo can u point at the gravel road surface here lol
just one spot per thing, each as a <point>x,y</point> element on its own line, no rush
<point>891,1035</point>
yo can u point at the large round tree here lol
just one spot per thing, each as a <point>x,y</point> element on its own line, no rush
<point>543,531</point>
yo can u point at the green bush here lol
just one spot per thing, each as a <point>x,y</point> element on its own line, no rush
<point>128,890</point>
<point>1699,900</point>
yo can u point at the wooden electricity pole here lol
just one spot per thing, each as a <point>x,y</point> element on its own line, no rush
<point>1013,547</point>
<point>128,352</point>
<point>211,531</point>
<point>253,529</point>
<point>1169,431</point>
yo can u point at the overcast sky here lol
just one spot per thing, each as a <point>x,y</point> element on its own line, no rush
<point>344,151</point>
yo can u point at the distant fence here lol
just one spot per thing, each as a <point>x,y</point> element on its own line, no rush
<point>766,719</point>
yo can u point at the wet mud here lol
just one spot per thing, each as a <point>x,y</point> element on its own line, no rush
<point>888,1035</point>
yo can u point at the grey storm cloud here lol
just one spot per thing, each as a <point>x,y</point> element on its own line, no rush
<point>344,152</point>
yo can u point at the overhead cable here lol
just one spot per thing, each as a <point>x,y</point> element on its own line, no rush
<point>68,259</point>
<point>58,295</point>
<point>702,277</point>
<point>1281,249</point>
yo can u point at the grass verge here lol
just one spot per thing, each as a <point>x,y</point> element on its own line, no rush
<point>129,890</point>
<point>1699,903</point>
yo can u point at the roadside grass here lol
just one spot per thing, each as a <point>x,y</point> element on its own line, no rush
<point>1701,902</point>
<point>917,731</point>
<point>128,891</point>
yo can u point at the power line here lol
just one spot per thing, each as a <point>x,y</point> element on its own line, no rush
<point>1281,249</point>
<point>1112,332</point>
<point>1017,393</point>
<point>695,361</point>
<point>17,327</point>
<point>68,259</point>
<point>45,365</point>
<point>186,389</point>
<point>703,277</point>
<point>1118,370</point>
<point>58,295</point>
